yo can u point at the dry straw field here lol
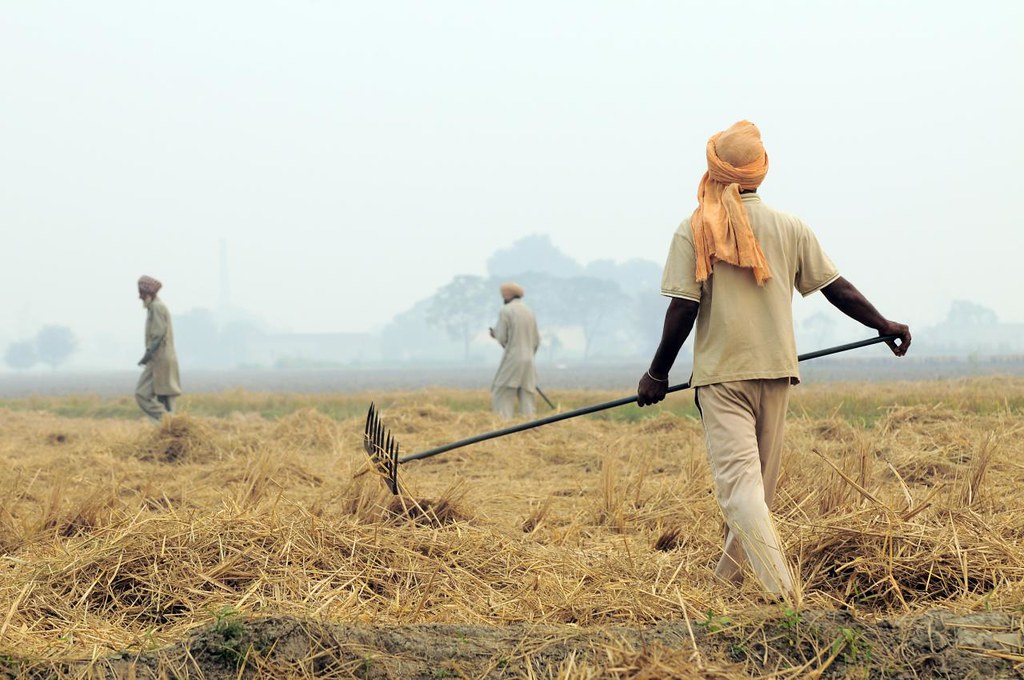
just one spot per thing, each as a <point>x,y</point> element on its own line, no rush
<point>243,538</point>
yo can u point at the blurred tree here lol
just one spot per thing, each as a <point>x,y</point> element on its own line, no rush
<point>54,344</point>
<point>635,277</point>
<point>464,307</point>
<point>551,345</point>
<point>968,314</point>
<point>409,338</point>
<point>648,311</point>
<point>597,306</point>
<point>21,355</point>
<point>533,253</point>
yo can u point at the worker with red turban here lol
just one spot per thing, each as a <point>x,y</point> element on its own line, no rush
<point>159,384</point>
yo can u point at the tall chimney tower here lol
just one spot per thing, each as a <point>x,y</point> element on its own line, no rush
<point>225,291</point>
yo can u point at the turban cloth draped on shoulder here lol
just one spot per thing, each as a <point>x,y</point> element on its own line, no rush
<point>148,285</point>
<point>721,229</point>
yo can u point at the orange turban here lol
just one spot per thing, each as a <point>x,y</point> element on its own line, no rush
<point>721,229</point>
<point>511,290</point>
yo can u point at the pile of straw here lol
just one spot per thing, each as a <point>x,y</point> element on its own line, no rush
<point>126,537</point>
<point>178,438</point>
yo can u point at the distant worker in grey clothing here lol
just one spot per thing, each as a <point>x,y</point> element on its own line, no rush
<point>158,385</point>
<point>516,379</point>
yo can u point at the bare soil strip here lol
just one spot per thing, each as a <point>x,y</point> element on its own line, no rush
<point>827,644</point>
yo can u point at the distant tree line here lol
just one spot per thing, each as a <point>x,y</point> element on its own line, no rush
<point>613,309</point>
<point>52,345</point>
<point>973,330</point>
<point>203,339</point>
<point>601,311</point>
<point>608,319</point>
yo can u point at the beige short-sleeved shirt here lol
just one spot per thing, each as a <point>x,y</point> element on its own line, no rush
<point>745,331</point>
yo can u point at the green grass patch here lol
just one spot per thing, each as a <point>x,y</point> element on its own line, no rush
<point>861,404</point>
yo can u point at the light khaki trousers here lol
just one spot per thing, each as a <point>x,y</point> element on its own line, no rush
<point>152,404</point>
<point>503,402</point>
<point>743,428</point>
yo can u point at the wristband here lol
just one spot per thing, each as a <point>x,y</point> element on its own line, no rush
<point>664,380</point>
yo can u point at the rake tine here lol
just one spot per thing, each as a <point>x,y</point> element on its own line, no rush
<point>385,453</point>
<point>367,445</point>
<point>382,448</point>
<point>370,435</point>
<point>373,437</point>
<point>392,466</point>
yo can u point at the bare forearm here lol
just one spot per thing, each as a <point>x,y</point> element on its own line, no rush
<point>679,319</point>
<point>845,297</point>
<point>848,300</point>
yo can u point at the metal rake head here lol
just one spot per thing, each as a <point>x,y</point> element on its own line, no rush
<point>382,448</point>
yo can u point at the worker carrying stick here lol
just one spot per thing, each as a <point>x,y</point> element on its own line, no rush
<point>516,379</point>
<point>732,268</point>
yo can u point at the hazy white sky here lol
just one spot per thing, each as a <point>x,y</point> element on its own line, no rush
<point>354,156</point>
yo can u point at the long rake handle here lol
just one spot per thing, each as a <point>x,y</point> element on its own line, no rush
<point>612,404</point>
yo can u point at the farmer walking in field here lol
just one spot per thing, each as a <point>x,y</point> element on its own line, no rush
<point>158,385</point>
<point>732,268</point>
<point>516,379</point>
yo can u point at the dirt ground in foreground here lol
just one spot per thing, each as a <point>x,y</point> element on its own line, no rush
<point>828,644</point>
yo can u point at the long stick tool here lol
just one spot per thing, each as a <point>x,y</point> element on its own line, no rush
<point>546,398</point>
<point>382,447</point>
